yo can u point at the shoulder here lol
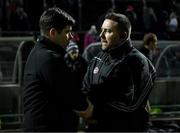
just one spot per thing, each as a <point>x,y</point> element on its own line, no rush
<point>43,55</point>
<point>44,51</point>
<point>136,58</point>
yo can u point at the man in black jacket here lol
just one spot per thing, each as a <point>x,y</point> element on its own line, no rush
<point>49,95</point>
<point>118,81</point>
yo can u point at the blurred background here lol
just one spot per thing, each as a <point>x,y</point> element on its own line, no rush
<point>145,15</point>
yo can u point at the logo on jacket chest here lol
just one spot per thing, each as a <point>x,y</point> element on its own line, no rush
<point>96,70</point>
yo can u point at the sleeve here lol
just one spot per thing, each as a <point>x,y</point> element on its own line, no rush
<point>138,81</point>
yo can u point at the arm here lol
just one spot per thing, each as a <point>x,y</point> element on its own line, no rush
<point>139,81</point>
<point>58,77</point>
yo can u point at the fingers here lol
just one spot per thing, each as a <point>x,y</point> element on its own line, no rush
<point>88,112</point>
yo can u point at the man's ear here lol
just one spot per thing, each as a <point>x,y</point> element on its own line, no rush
<point>52,33</point>
<point>123,35</point>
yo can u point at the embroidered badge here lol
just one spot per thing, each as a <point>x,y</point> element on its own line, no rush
<point>96,69</point>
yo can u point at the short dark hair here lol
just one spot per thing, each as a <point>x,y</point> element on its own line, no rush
<point>123,22</point>
<point>54,18</point>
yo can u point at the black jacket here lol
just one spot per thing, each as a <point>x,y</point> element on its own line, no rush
<point>118,82</point>
<point>49,95</point>
<point>146,52</point>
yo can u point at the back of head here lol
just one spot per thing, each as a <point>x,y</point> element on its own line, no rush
<point>54,18</point>
<point>149,37</point>
<point>123,22</point>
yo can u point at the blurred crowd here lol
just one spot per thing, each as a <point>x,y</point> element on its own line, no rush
<point>158,16</point>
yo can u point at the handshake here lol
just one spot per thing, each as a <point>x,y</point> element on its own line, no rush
<point>87,114</point>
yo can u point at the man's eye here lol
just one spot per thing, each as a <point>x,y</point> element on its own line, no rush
<point>109,31</point>
<point>106,30</point>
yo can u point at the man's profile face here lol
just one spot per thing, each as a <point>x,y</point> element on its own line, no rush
<point>110,35</point>
<point>63,37</point>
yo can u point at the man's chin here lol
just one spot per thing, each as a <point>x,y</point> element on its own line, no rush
<point>104,48</point>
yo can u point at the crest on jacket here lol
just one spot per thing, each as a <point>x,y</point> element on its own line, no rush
<point>96,70</point>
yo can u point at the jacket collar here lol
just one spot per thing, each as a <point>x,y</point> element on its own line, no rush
<point>42,40</point>
<point>122,50</point>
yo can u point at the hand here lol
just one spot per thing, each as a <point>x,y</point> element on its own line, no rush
<point>88,112</point>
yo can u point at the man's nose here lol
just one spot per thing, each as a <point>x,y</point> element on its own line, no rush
<point>70,36</point>
<point>101,34</point>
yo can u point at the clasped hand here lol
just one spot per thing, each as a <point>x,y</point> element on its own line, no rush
<point>88,112</point>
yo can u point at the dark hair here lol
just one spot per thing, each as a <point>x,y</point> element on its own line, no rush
<point>123,22</point>
<point>54,18</point>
